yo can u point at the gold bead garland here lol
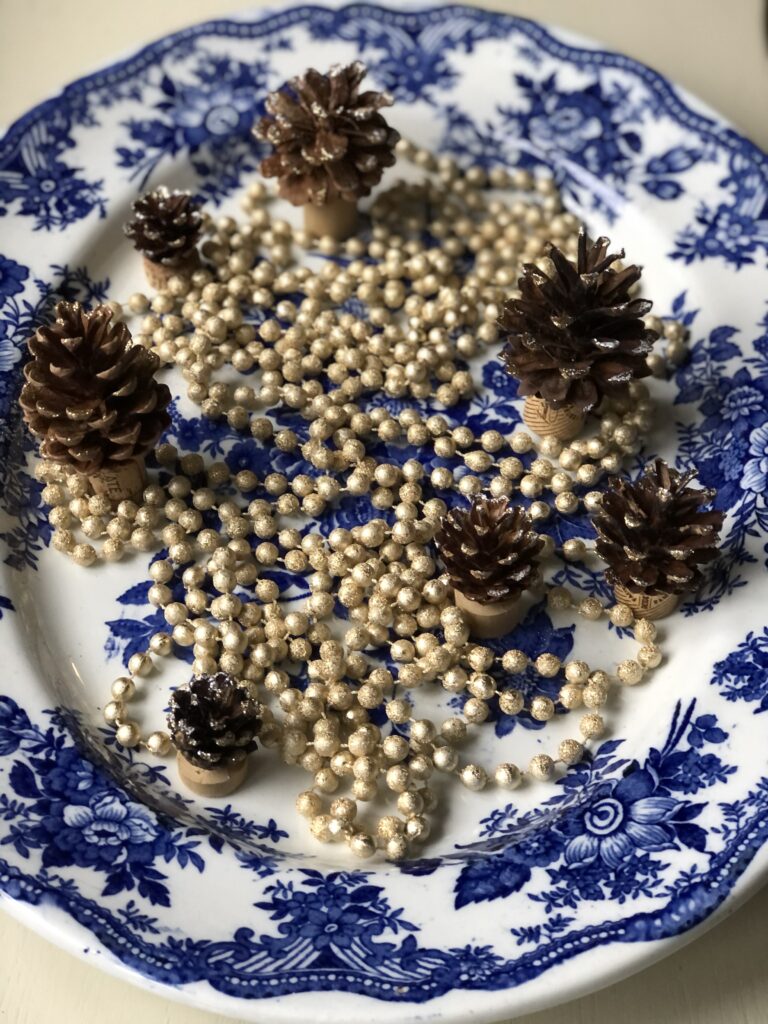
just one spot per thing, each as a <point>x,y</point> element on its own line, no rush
<point>424,315</point>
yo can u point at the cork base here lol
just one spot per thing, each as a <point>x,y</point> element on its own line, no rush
<point>488,621</point>
<point>542,419</point>
<point>338,218</point>
<point>647,606</point>
<point>158,274</point>
<point>121,482</point>
<point>211,782</point>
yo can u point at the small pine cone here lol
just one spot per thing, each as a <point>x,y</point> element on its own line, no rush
<point>577,335</point>
<point>91,395</point>
<point>213,720</point>
<point>652,533</point>
<point>166,226</point>
<point>329,139</point>
<point>489,550</point>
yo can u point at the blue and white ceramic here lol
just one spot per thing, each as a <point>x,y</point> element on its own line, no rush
<point>516,905</point>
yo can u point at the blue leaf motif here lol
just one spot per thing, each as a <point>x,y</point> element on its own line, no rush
<point>23,781</point>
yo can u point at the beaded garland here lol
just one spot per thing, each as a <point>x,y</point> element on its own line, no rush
<point>425,313</point>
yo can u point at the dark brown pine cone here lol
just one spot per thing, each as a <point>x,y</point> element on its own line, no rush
<point>90,395</point>
<point>329,139</point>
<point>214,721</point>
<point>653,534</point>
<point>166,226</point>
<point>489,550</point>
<point>577,335</point>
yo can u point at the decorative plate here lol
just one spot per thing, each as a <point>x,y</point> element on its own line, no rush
<point>516,905</point>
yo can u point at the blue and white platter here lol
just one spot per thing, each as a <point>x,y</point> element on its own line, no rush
<point>514,905</point>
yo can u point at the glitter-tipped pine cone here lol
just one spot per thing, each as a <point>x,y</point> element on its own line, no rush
<point>214,721</point>
<point>90,395</point>
<point>489,550</point>
<point>165,228</point>
<point>576,335</point>
<point>329,140</point>
<point>655,535</point>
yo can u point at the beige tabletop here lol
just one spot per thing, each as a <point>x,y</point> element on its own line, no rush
<point>717,49</point>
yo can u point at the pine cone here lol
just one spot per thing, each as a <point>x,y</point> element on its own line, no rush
<point>329,139</point>
<point>577,335</point>
<point>166,226</point>
<point>90,395</point>
<point>652,533</point>
<point>213,720</point>
<point>489,550</point>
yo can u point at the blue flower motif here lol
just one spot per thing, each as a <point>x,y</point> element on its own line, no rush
<point>336,925</point>
<point>573,122</point>
<point>736,405</point>
<point>628,817</point>
<point>105,831</point>
<point>201,114</point>
<point>12,277</point>
<point>730,234</point>
<point>755,476</point>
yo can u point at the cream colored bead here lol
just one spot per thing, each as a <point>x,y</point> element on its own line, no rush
<point>113,711</point>
<point>446,759</point>
<point>128,734</point>
<point>621,615</point>
<point>571,696</point>
<point>507,776</point>
<point>473,777</point>
<point>570,751</point>
<point>396,848</point>
<point>548,665</point>
<point>645,631</point>
<point>541,767</point>
<point>576,671</point>
<point>542,708</point>
<point>123,688</point>
<point>629,671</point>
<point>514,661</point>
<point>158,743</point>
<point>591,726</point>
<point>591,608</point>
<point>649,655</point>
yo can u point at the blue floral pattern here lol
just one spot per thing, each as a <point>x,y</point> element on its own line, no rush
<point>652,840</point>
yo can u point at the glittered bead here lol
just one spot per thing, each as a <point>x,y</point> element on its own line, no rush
<point>570,751</point>
<point>507,776</point>
<point>649,655</point>
<point>511,702</point>
<point>473,777</point>
<point>541,766</point>
<point>445,759</point>
<point>591,608</point>
<point>591,726</point>
<point>645,631</point>
<point>128,734</point>
<point>576,671</point>
<point>158,743</point>
<point>548,665</point>
<point>621,615</point>
<point>571,696</point>
<point>542,708</point>
<point>629,671</point>
<point>514,661</point>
